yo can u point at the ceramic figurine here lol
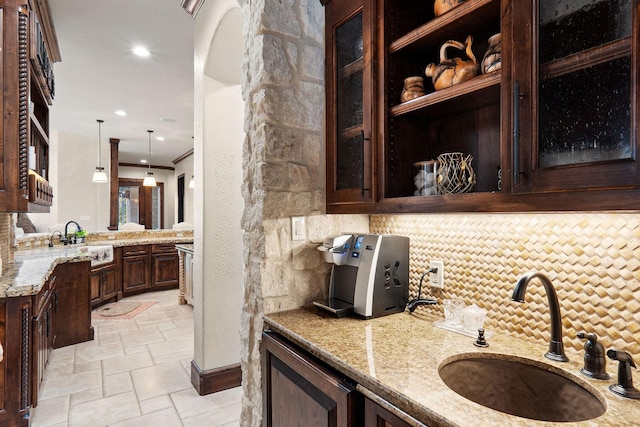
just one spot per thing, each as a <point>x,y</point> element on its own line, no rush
<point>413,88</point>
<point>492,60</point>
<point>442,6</point>
<point>455,70</point>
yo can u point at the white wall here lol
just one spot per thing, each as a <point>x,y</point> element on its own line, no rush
<point>73,159</point>
<point>218,237</point>
<point>185,166</point>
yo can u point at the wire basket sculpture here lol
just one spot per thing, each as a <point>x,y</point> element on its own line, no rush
<point>455,174</point>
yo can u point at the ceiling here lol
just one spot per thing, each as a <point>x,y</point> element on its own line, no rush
<point>99,74</point>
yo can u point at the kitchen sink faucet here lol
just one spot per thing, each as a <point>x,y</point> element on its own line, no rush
<point>66,238</point>
<point>556,348</point>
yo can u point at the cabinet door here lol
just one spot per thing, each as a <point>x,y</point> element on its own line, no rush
<point>96,287</point>
<point>298,387</point>
<point>575,77</point>
<point>377,416</point>
<point>135,273</point>
<point>165,270</point>
<point>349,107</point>
<point>72,322</point>
<point>109,283</point>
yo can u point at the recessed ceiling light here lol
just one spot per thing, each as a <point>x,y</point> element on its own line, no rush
<point>143,160</point>
<point>167,120</point>
<point>141,51</point>
<point>121,113</point>
<point>160,138</point>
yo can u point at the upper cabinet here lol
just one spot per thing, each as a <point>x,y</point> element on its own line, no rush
<point>491,105</point>
<point>351,142</point>
<point>29,49</point>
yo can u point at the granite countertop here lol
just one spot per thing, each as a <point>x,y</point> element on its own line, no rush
<point>396,358</point>
<point>31,267</point>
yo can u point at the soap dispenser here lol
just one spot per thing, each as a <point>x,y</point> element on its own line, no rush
<point>595,362</point>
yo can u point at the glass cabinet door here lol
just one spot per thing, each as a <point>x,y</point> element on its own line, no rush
<point>349,79</point>
<point>576,113</point>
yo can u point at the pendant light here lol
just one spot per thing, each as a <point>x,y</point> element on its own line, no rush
<point>100,175</point>
<point>149,179</point>
<point>192,183</point>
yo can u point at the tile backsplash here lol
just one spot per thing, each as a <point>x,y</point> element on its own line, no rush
<point>592,259</point>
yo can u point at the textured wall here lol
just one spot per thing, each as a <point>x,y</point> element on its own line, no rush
<point>283,91</point>
<point>6,239</point>
<point>592,259</point>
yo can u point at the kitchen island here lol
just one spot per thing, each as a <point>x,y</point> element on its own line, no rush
<point>394,361</point>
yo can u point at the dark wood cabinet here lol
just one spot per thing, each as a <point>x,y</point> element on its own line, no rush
<point>554,129</point>
<point>29,49</point>
<point>350,88</point>
<point>104,284</point>
<point>376,416</point>
<point>165,269</point>
<point>298,387</point>
<point>135,269</point>
<point>43,332</point>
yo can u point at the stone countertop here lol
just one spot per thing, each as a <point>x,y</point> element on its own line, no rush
<point>32,267</point>
<point>396,357</point>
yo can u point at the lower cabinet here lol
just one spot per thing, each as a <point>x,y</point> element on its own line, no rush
<point>376,416</point>
<point>135,269</point>
<point>298,389</point>
<point>104,284</point>
<point>164,266</point>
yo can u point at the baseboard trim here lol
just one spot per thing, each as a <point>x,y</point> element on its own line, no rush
<point>214,380</point>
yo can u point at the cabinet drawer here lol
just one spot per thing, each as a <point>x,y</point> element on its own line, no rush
<point>135,250</point>
<point>163,248</point>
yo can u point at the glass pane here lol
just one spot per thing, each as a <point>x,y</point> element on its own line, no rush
<point>349,41</point>
<point>349,163</point>
<point>350,100</point>
<point>572,26</point>
<point>129,204</point>
<point>156,207</point>
<point>585,116</point>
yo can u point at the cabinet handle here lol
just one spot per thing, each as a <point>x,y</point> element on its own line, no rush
<point>362,188</point>
<point>516,133</point>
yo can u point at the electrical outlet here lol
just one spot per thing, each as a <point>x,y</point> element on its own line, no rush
<point>436,279</point>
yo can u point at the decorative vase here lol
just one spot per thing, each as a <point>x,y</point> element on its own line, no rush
<point>455,70</point>
<point>455,174</point>
<point>442,6</point>
<point>492,60</point>
<point>413,88</point>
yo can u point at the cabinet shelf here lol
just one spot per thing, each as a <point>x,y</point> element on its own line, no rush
<point>460,21</point>
<point>351,68</point>
<point>478,92</point>
<point>587,58</point>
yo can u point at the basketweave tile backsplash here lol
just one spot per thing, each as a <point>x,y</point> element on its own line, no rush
<point>592,259</point>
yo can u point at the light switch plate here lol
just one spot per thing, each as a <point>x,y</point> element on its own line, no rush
<point>298,230</point>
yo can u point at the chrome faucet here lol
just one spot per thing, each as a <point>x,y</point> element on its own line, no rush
<point>53,235</point>
<point>556,348</point>
<point>66,238</point>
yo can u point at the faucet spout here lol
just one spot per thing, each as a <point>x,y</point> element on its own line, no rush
<point>556,347</point>
<point>66,238</point>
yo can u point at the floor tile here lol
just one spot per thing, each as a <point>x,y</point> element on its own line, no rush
<point>135,373</point>
<point>105,411</point>
<point>158,380</point>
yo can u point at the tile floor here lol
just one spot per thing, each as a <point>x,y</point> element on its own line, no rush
<point>136,373</point>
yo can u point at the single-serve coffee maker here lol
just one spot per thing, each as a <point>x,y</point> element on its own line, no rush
<point>370,274</point>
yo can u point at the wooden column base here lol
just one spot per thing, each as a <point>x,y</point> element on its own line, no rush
<point>214,380</point>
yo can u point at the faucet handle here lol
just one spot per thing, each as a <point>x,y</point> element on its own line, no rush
<point>595,362</point>
<point>624,387</point>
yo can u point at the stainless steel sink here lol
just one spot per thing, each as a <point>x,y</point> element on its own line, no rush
<point>521,387</point>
